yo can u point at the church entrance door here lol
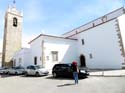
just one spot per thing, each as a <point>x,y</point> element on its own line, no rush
<point>82,61</point>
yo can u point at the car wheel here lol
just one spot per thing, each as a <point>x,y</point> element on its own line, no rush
<point>8,73</point>
<point>26,74</point>
<point>37,74</point>
<point>54,75</point>
<point>16,73</point>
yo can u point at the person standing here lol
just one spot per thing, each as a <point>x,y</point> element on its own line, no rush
<point>75,71</point>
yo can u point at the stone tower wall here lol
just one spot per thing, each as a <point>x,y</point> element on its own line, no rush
<point>12,41</point>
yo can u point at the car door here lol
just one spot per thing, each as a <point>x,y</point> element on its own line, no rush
<point>28,70</point>
<point>62,70</point>
<point>32,70</point>
<point>58,69</point>
<point>66,70</point>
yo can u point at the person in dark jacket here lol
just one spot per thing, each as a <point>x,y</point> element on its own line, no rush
<point>75,71</point>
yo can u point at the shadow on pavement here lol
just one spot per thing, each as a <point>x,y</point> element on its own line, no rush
<point>6,76</point>
<point>59,78</point>
<point>32,76</point>
<point>63,85</point>
<point>63,78</point>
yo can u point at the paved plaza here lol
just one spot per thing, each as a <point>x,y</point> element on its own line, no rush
<point>47,84</point>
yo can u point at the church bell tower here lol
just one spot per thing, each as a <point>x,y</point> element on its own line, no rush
<point>12,41</point>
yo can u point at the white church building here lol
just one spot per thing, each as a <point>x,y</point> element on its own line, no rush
<point>98,44</point>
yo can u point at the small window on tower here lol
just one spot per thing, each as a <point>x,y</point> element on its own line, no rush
<point>15,21</point>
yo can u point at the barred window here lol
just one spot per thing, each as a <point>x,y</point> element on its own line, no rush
<point>54,55</point>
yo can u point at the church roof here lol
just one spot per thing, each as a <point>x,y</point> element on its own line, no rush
<point>106,18</point>
<point>51,36</point>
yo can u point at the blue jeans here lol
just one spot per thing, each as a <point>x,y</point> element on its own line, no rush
<point>75,75</point>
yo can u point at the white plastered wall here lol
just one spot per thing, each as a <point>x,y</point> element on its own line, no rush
<point>24,55</point>
<point>67,50</point>
<point>36,51</point>
<point>102,42</point>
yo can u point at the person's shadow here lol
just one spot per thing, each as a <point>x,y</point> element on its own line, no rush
<point>63,85</point>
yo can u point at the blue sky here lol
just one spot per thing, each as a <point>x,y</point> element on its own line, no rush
<point>55,17</point>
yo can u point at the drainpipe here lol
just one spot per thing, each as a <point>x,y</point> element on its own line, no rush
<point>43,53</point>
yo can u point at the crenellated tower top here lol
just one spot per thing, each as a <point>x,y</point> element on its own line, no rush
<point>12,9</point>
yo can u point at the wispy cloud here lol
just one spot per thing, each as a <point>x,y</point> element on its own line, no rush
<point>27,37</point>
<point>57,17</point>
<point>78,14</point>
<point>32,11</point>
<point>83,13</point>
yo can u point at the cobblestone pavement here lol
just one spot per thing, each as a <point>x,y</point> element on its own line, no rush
<point>47,84</point>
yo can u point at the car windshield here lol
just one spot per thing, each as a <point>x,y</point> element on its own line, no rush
<point>18,67</point>
<point>38,67</point>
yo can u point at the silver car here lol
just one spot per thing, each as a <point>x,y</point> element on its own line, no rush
<point>36,70</point>
<point>4,70</point>
<point>16,70</point>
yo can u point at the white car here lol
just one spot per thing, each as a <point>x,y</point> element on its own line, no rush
<point>16,70</point>
<point>36,70</point>
<point>4,70</point>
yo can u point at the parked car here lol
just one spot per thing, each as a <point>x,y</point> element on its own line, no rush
<point>1,70</point>
<point>65,70</point>
<point>36,70</point>
<point>4,70</point>
<point>16,70</point>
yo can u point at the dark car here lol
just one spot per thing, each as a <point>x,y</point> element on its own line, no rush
<point>65,70</point>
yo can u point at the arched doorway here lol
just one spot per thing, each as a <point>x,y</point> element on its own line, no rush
<point>82,61</point>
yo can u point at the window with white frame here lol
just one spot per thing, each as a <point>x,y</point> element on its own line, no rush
<point>54,55</point>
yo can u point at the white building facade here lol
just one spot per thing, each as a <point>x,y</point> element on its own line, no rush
<point>48,50</point>
<point>95,45</point>
<point>103,39</point>
<point>22,57</point>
